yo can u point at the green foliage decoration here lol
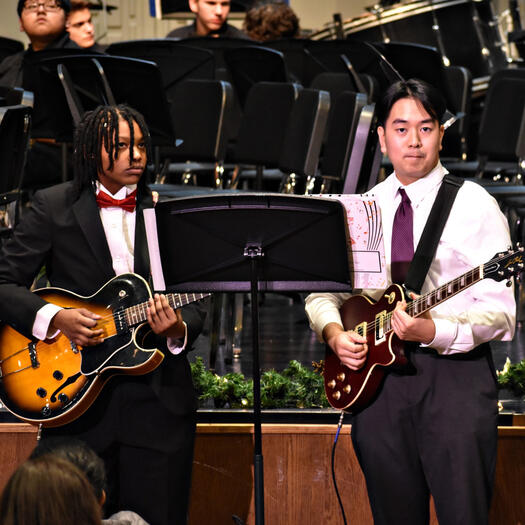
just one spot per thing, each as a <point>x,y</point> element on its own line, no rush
<point>512,377</point>
<point>295,387</point>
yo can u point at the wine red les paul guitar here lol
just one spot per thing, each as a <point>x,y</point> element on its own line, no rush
<point>351,390</point>
<point>52,382</point>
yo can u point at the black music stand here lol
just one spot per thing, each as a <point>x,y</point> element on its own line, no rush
<point>250,242</point>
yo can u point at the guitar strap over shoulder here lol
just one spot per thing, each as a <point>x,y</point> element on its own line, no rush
<point>434,226</point>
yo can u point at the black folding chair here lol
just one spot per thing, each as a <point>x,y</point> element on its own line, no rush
<point>497,153</point>
<point>262,133</point>
<point>346,113</point>
<point>304,137</point>
<point>15,125</point>
<point>200,111</point>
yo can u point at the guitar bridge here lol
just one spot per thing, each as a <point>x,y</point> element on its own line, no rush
<point>360,329</point>
<point>32,355</point>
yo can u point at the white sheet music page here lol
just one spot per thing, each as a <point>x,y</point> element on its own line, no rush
<point>150,222</point>
<point>366,251</point>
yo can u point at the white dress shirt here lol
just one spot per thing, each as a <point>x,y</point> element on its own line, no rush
<point>475,231</point>
<point>119,227</point>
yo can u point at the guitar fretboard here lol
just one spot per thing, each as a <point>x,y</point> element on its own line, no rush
<point>426,302</point>
<point>137,313</point>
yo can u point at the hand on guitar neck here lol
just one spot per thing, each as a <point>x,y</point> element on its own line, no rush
<point>163,319</point>
<point>78,324</point>
<point>418,329</point>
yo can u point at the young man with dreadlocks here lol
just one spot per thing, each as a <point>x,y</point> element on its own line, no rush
<point>142,426</point>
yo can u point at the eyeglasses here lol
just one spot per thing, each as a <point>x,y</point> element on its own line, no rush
<point>48,5</point>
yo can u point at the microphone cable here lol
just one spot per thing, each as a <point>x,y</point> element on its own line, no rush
<point>339,426</point>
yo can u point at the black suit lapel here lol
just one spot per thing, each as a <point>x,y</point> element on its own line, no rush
<point>142,266</point>
<point>88,217</point>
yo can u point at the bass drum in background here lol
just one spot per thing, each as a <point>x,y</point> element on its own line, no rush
<point>465,32</point>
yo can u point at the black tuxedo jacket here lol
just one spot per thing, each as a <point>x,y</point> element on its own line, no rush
<point>64,233</point>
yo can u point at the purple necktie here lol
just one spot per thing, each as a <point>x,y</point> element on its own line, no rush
<point>402,239</point>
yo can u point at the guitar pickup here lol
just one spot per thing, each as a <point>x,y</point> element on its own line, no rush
<point>380,326</point>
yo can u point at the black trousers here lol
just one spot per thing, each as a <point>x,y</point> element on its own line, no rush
<point>147,450</point>
<point>433,432</point>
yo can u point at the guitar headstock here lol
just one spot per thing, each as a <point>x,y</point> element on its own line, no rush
<point>505,265</point>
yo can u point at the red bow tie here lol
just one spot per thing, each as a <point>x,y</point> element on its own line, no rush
<point>106,201</point>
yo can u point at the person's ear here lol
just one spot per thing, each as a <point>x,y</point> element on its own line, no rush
<point>194,6</point>
<point>102,498</point>
<point>382,141</point>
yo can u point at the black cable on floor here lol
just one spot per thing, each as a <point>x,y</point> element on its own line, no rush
<point>340,424</point>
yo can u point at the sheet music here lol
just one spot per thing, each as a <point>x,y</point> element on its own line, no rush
<point>366,251</point>
<point>157,274</point>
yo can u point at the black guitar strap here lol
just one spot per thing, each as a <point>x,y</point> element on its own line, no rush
<point>426,248</point>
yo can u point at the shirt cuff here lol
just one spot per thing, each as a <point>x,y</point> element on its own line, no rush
<point>176,346</point>
<point>446,332</point>
<point>43,319</point>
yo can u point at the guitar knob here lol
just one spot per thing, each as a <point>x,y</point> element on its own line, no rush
<point>331,384</point>
<point>46,411</point>
<point>347,389</point>
<point>41,392</point>
<point>341,376</point>
<point>63,398</point>
<point>58,375</point>
<point>336,395</point>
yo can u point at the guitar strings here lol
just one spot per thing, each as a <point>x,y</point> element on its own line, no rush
<point>371,327</point>
<point>110,319</point>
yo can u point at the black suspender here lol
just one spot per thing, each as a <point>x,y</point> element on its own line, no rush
<point>427,245</point>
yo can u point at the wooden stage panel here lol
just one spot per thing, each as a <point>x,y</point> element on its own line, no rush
<point>298,485</point>
<point>17,441</point>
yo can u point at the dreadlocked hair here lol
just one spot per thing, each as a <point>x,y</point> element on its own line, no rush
<point>100,129</point>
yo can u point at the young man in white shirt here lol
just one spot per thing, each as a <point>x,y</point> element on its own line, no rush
<point>431,430</point>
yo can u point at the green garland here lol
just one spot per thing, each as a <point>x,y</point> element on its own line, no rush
<point>512,377</point>
<point>294,387</point>
<point>297,386</point>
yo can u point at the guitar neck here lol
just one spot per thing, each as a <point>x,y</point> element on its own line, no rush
<point>138,313</point>
<point>426,302</point>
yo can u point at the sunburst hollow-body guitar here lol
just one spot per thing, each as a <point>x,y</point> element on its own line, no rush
<point>53,382</point>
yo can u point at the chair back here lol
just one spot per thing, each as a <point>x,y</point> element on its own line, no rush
<point>345,112</point>
<point>304,133</point>
<point>502,115</point>
<point>200,111</point>
<point>15,125</point>
<point>264,121</point>
<point>459,80</point>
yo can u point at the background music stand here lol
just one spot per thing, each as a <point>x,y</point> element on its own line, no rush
<point>257,243</point>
